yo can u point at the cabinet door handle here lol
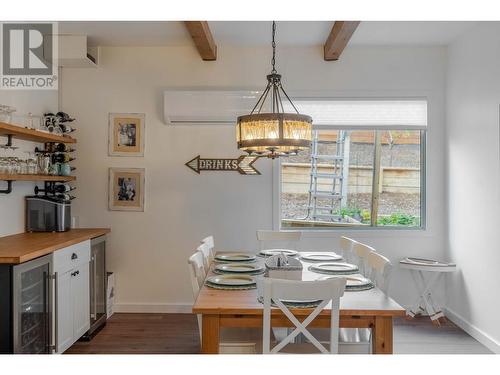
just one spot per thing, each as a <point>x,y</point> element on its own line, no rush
<point>56,313</point>
<point>74,256</point>
<point>75,273</point>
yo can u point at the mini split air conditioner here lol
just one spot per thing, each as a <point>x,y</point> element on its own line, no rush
<point>207,106</point>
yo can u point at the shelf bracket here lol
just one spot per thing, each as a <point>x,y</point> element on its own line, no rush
<point>9,188</point>
<point>9,142</point>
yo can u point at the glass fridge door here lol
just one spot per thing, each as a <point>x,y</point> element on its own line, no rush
<point>98,280</point>
<point>32,313</point>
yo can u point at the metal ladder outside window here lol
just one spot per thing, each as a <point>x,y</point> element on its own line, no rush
<point>328,178</point>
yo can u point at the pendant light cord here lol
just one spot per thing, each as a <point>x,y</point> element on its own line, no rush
<point>273,44</point>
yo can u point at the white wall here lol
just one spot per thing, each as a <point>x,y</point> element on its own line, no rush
<point>473,105</point>
<point>12,205</point>
<point>148,251</point>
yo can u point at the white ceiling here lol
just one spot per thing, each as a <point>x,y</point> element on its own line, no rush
<point>257,33</point>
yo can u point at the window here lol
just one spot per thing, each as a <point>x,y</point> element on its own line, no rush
<point>365,167</point>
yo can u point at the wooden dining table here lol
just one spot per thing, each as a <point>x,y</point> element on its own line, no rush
<point>240,308</point>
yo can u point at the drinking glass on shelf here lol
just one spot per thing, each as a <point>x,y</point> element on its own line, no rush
<point>16,165</point>
<point>6,113</point>
<point>4,165</point>
<point>43,162</point>
<point>31,164</point>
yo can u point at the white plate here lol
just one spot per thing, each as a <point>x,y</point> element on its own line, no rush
<point>234,280</point>
<point>239,267</point>
<point>270,252</point>
<point>320,257</point>
<point>235,257</point>
<point>335,267</point>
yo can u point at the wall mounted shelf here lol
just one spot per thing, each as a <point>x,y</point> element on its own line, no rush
<point>9,178</point>
<point>19,132</point>
<point>35,177</point>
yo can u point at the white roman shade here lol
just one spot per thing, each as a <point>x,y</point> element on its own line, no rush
<point>364,114</point>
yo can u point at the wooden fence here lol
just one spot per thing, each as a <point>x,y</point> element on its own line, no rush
<point>295,179</point>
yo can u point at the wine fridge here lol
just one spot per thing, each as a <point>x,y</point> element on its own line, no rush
<point>26,307</point>
<point>98,279</point>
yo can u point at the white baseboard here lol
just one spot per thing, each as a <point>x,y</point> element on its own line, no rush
<point>170,308</point>
<point>472,330</point>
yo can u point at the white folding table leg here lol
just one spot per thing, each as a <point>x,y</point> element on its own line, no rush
<point>433,310</point>
<point>424,289</point>
<point>417,307</point>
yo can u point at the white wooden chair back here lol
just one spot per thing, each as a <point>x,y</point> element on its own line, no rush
<point>346,245</point>
<point>204,249</point>
<point>277,290</point>
<point>283,239</point>
<point>197,272</point>
<point>197,275</point>
<point>209,241</point>
<point>381,270</point>
<point>361,252</point>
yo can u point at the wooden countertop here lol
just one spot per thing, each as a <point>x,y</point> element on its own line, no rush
<point>20,248</point>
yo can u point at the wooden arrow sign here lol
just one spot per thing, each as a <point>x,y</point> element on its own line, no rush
<point>242,165</point>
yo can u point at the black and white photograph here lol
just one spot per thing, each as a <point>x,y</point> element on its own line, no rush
<point>315,179</point>
<point>126,134</point>
<point>126,189</point>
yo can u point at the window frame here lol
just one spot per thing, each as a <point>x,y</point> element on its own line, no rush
<point>277,187</point>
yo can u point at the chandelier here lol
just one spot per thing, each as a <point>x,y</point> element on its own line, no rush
<point>275,133</point>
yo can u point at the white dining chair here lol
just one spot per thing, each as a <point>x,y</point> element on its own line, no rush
<point>287,240</point>
<point>275,291</point>
<point>380,271</point>
<point>346,245</point>
<point>197,272</point>
<point>197,276</point>
<point>232,340</point>
<point>353,340</point>
<point>361,252</point>
<point>207,254</point>
<point>209,241</point>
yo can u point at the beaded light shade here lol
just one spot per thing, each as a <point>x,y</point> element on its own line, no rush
<point>274,133</point>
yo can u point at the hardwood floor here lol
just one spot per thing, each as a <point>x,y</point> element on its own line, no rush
<point>178,334</point>
<point>144,334</point>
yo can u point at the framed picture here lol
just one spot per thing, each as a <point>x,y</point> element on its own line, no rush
<point>126,134</point>
<point>126,189</point>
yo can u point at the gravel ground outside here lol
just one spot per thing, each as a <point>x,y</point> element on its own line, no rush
<point>294,206</point>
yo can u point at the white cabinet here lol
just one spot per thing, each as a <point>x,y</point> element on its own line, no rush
<point>80,289</point>
<point>64,312</point>
<point>72,303</point>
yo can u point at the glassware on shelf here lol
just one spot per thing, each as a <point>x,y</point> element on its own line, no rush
<point>32,165</point>
<point>6,113</point>
<point>43,162</point>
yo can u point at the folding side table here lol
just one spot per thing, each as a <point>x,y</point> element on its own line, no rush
<point>425,302</point>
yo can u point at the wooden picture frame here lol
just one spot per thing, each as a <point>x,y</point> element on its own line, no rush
<point>126,134</point>
<point>126,189</point>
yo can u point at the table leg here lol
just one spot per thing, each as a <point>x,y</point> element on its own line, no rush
<point>210,334</point>
<point>433,310</point>
<point>382,335</point>
<point>419,305</point>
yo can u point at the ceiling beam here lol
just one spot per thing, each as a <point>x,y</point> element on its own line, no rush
<point>339,37</point>
<point>203,40</point>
